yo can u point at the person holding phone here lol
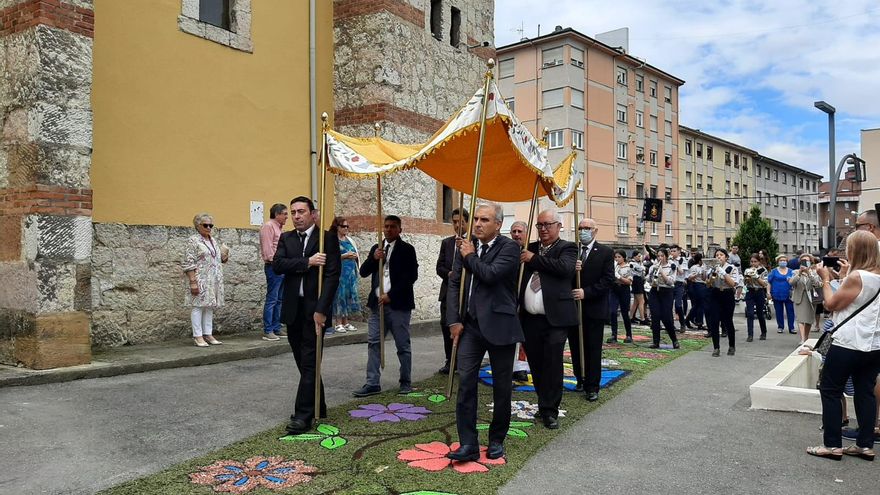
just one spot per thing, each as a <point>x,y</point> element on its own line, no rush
<point>803,289</point>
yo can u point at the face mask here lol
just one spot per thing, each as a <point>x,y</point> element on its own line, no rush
<point>783,264</point>
<point>806,264</point>
<point>586,236</point>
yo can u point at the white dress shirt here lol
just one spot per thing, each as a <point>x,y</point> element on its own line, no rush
<point>386,275</point>
<point>305,242</point>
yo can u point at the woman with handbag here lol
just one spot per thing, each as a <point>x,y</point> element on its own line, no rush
<point>853,348</point>
<point>780,292</point>
<point>803,287</point>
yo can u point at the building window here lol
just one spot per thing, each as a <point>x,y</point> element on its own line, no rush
<point>699,212</point>
<point>667,162</point>
<point>801,205</point>
<point>640,83</point>
<point>727,215</point>
<point>668,229</point>
<point>727,158</point>
<point>784,178</point>
<point>709,183</point>
<point>437,19</point>
<point>736,218</point>
<point>736,188</point>
<point>688,209</point>
<point>735,161</point>
<point>621,187</point>
<point>446,206</point>
<point>653,191</point>
<point>506,68</point>
<point>621,150</point>
<point>552,56</point>
<point>577,98</point>
<point>699,150</point>
<point>640,119</point>
<point>577,140</point>
<point>668,127</point>
<point>577,57</point>
<point>793,204</point>
<point>689,243</point>
<point>455,28</point>
<point>767,172</point>
<point>653,158</point>
<point>710,212</point>
<point>688,178</point>
<point>652,86</point>
<point>757,171</point>
<point>552,98</point>
<point>555,139</point>
<point>621,113</point>
<point>667,94</point>
<point>640,154</point>
<point>227,22</point>
<point>775,200</point>
<point>709,155</point>
<point>654,123</point>
<point>727,187</point>
<point>785,225</point>
<point>640,190</point>
<point>699,181</point>
<point>688,147</point>
<point>653,228</point>
<point>622,225</point>
<point>668,195</point>
<point>621,75</point>
<point>767,199</point>
<point>776,175</point>
<point>511,104</point>
<point>700,241</point>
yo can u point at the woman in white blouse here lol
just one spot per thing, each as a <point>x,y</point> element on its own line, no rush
<point>202,266</point>
<point>855,348</point>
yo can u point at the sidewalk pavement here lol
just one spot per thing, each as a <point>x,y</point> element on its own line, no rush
<point>686,428</point>
<point>182,353</point>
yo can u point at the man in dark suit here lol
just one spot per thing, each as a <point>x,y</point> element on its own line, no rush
<point>444,269</point>
<point>596,269</point>
<point>303,310</point>
<point>401,270</point>
<point>548,310</point>
<point>488,324</point>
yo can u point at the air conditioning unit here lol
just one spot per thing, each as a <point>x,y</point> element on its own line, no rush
<point>577,63</point>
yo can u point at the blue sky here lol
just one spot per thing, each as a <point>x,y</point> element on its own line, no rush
<point>753,69</point>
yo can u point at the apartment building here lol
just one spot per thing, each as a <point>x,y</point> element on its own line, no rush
<point>715,189</point>
<point>620,114</point>
<point>789,199</point>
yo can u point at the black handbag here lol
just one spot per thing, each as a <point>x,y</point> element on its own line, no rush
<point>768,313</point>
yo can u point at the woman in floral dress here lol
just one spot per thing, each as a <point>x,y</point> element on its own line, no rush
<point>202,264</point>
<point>346,302</point>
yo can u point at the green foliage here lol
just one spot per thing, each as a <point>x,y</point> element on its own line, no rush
<point>755,233</point>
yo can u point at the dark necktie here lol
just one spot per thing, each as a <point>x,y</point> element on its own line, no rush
<point>302,240</point>
<point>472,310</point>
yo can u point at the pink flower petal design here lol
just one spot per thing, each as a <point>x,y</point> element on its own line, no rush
<point>469,467</point>
<point>436,464</point>
<point>437,447</point>
<point>388,417</point>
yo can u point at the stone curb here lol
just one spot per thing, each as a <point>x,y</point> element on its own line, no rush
<point>152,357</point>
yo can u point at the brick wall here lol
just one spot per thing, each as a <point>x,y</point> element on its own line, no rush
<point>343,9</point>
<point>44,199</point>
<point>385,112</point>
<point>54,13</point>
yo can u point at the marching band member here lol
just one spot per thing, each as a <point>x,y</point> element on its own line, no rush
<point>755,280</point>
<point>722,283</point>
<point>661,276</point>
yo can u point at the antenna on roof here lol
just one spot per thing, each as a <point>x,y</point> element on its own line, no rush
<point>521,30</point>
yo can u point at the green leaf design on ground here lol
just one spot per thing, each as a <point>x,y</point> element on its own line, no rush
<point>437,398</point>
<point>333,442</point>
<point>416,394</point>
<point>328,429</point>
<point>304,437</point>
<point>426,492</point>
<point>516,432</point>
<point>482,426</point>
<point>521,424</point>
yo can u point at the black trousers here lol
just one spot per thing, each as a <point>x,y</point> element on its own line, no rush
<point>720,313</point>
<point>681,304</point>
<point>471,348</point>
<point>544,346</point>
<point>619,298</point>
<point>594,329</point>
<point>660,300</point>
<point>303,342</point>
<point>755,301</point>
<point>840,364</point>
<point>447,335</point>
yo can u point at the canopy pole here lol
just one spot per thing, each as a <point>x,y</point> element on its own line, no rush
<point>319,332</point>
<point>381,275</point>
<point>532,207</point>
<point>577,278</point>
<point>479,165</point>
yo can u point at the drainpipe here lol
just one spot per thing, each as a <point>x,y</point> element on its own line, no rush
<point>313,103</point>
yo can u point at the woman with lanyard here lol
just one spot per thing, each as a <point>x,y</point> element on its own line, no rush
<point>722,283</point>
<point>619,297</point>
<point>661,276</point>
<point>756,296</point>
<point>697,291</point>
<point>638,289</point>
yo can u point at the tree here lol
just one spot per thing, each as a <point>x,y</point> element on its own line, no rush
<point>755,233</point>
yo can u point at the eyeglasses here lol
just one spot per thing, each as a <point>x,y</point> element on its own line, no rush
<point>860,225</point>
<point>208,225</point>
<point>542,225</point>
<point>343,226</point>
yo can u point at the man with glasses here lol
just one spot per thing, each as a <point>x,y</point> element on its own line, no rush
<point>270,232</point>
<point>448,246</point>
<point>595,267</point>
<point>546,317</point>
<point>868,220</point>
<point>303,310</point>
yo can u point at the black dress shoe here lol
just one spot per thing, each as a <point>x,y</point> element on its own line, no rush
<point>579,387</point>
<point>444,370</point>
<point>731,351</point>
<point>367,390</point>
<point>551,422</point>
<point>611,340</point>
<point>654,346</point>
<point>520,376</point>
<point>495,451</point>
<point>716,353</point>
<point>628,340</point>
<point>592,396</point>
<point>465,453</point>
<point>763,336</point>
<point>676,345</point>
<point>749,339</point>
<point>723,335</point>
<point>688,325</point>
<point>297,427</point>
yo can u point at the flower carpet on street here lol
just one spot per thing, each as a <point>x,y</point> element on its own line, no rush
<point>394,444</point>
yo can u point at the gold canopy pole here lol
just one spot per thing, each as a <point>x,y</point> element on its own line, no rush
<point>379,245</point>
<point>577,278</point>
<point>462,310</point>
<point>532,208</point>
<point>319,332</point>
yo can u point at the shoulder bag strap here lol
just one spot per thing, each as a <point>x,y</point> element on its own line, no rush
<point>868,303</point>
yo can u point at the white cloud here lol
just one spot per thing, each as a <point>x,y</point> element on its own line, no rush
<point>795,51</point>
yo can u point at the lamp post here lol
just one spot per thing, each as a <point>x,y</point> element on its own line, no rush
<point>832,177</point>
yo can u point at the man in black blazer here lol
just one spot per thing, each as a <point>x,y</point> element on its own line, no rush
<point>548,310</point>
<point>401,270</point>
<point>303,310</point>
<point>489,323</point>
<point>596,268</point>
<point>444,269</point>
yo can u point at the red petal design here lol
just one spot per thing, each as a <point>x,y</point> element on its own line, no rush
<point>469,467</point>
<point>436,464</point>
<point>439,448</point>
<point>418,455</point>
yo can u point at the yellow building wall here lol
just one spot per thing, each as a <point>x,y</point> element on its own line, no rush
<point>183,124</point>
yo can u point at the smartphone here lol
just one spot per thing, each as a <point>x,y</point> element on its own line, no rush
<point>832,262</point>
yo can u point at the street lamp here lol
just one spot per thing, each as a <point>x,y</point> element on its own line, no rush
<point>825,107</point>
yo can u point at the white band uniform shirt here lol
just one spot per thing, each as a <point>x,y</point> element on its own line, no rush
<point>727,269</point>
<point>680,269</point>
<point>661,276</point>
<point>754,276</point>
<point>698,274</point>
<point>622,271</point>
